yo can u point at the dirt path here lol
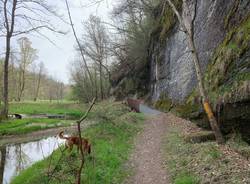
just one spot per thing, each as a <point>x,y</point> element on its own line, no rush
<point>147,159</point>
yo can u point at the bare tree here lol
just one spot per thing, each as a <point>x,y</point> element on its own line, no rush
<point>95,46</point>
<point>39,77</point>
<point>22,17</point>
<point>133,23</point>
<point>13,77</point>
<point>9,22</point>
<point>82,87</point>
<point>79,173</point>
<point>1,80</point>
<point>27,57</point>
<point>187,24</point>
<point>79,45</point>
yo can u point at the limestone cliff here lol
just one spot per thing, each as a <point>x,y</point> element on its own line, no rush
<point>171,69</point>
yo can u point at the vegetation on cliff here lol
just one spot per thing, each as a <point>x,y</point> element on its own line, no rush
<point>227,78</point>
<point>142,24</point>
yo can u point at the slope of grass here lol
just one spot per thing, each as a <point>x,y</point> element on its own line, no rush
<point>111,141</point>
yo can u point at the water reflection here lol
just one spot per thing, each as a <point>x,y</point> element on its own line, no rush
<point>16,157</point>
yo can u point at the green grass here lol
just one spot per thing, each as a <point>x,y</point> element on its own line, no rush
<point>186,178</point>
<point>22,126</point>
<point>103,111</point>
<point>111,141</point>
<point>67,108</point>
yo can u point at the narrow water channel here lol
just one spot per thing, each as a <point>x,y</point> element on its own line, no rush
<point>17,157</point>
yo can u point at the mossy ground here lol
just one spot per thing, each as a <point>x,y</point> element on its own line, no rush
<point>111,141</point>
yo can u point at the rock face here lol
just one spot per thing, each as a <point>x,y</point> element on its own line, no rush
<point>172,71</point>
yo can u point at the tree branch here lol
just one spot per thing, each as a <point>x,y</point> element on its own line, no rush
<point>78,181</point>
<point>78,42</point>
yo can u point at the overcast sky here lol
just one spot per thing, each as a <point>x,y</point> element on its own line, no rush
<point>57,58</point>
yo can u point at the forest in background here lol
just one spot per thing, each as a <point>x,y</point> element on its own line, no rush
<point>29,78</point>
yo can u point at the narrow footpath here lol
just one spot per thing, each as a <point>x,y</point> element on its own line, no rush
<point>147,158</point>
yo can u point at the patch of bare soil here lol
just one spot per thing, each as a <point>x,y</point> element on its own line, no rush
<point>147,160</point>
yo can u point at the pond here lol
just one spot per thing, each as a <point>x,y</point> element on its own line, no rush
<point>17,157</point>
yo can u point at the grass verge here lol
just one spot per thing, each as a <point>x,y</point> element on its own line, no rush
<point>111,141</point>
<point>205,162</point>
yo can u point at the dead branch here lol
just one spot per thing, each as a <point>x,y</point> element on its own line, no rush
<point>78,43</point>
<point>78,180</point>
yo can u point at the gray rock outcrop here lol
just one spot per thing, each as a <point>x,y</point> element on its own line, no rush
<point>172,72</point>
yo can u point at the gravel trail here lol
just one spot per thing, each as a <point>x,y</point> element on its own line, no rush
<point>147,158</point>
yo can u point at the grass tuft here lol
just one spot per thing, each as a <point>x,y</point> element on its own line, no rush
<point>186,178</point>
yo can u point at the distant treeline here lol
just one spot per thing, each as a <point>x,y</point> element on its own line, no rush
<point>28,79</point>
<point>37,86</point>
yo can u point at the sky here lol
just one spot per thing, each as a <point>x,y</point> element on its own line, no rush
<point>57,58</point>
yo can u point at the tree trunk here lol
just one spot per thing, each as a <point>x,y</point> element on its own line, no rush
<point>5,108</point>
<point>213,123</point>
<point>9,30</point>
<point>38,87</point>
<point>22,84</point>
<point>101,85</point>
<point>188,30</point>
<point>2,163</point>
<point>96,87</point>
<point>79,46</point>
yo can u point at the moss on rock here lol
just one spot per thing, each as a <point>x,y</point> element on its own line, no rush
<point>165,20</point>
<point>186,110</point>
<point>227,75</point>
<point>164,104</point>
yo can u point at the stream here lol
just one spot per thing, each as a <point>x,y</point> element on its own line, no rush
<point>17,157</point>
